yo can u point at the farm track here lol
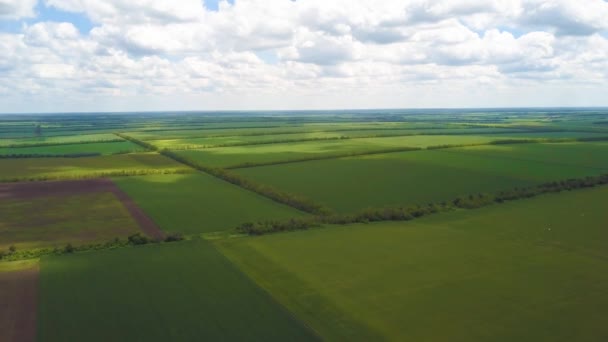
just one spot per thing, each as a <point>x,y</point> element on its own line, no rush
<point>22,306</point>
<point>28,190</point>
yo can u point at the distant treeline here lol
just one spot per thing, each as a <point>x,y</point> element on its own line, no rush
<point>276,195</point>
<point>102,174</point>
<point>43,144</point>
<point>413,212</point>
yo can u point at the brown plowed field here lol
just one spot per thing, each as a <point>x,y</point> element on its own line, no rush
<point>19,298</point>
<point>27,190</point>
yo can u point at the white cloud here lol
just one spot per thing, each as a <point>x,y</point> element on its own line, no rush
<point>312,53</point>
<point>15,9</point>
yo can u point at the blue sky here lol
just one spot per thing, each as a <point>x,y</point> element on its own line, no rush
<point>87,55</point>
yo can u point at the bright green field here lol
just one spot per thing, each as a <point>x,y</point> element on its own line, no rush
<point>102,148</point>
<point>196,141</point>
<point>199,203</point>
<point>56,221</point>
<point>85,167</point>
<point>267,127</point>
<point>530,270</point>
<point>407,178</point>
<point>233,156</point>
<point>170,292</point>
<point>60,139</point>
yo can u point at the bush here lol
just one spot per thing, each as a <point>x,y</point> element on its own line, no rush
<point>174,237</point>
<point>138,239</point>
<point>69,249</point>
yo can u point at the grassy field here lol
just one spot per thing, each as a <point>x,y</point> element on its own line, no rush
<point>74,138</point>
<point>531,270</point>
<point>235,156</point>
<point>591,155</point>
<point>169,292</point>
<point>101,148</point>
<point>199,203</point>
<point>59,168</point>
<point>417,177</point>
<point>55,221</point>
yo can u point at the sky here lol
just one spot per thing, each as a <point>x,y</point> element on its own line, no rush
<point>156,55</point>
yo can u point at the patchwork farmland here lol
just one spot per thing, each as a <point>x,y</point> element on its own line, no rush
<point>447,225</point>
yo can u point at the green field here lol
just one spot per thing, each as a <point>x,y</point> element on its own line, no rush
<point>55,221</point>
<point>74,138</point>
<point>101,148</point>
<point>531,270</point>
<point>186,292</point>
<point>590,155</point>
<point>199,203</point>
<point>417,177</point>
<point>68,168</point>
<point>239,155</point>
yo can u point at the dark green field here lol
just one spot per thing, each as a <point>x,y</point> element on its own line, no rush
<point>420,177</point>
<point>88,148</point>
<point>199,203</point>
<point>159,293</point>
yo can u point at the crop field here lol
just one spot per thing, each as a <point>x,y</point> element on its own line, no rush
<point>199,203</point>
<point>78,212</point>
<point>75,149</point>
<point>157,293</point>
<point>420,177</point>
<point>19,296</point>
<point>86,167</point>
<point>533,270</point>
<point>363,225</point>
<point>74,138</point>
<point>234,157</point>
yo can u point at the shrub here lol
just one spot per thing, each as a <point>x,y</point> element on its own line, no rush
<point>138,239</point>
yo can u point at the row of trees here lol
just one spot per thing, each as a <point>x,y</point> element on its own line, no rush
<point>280,196</point>
<point>143,144</point>
<point>413,212</point>
<point>137,239</point>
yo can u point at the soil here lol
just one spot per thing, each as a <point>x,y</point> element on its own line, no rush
<point>29,190</point>
<point>18,316</point>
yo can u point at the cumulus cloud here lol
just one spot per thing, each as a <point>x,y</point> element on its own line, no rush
<point>15,9</point>
<point>282,53</point>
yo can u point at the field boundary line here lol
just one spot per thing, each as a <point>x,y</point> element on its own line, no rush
<point>401,213</point>
<point>276,195</point>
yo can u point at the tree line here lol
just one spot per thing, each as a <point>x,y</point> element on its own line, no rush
<point>137,239</point>
<point>402,213</point>
<point>298,202</point>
